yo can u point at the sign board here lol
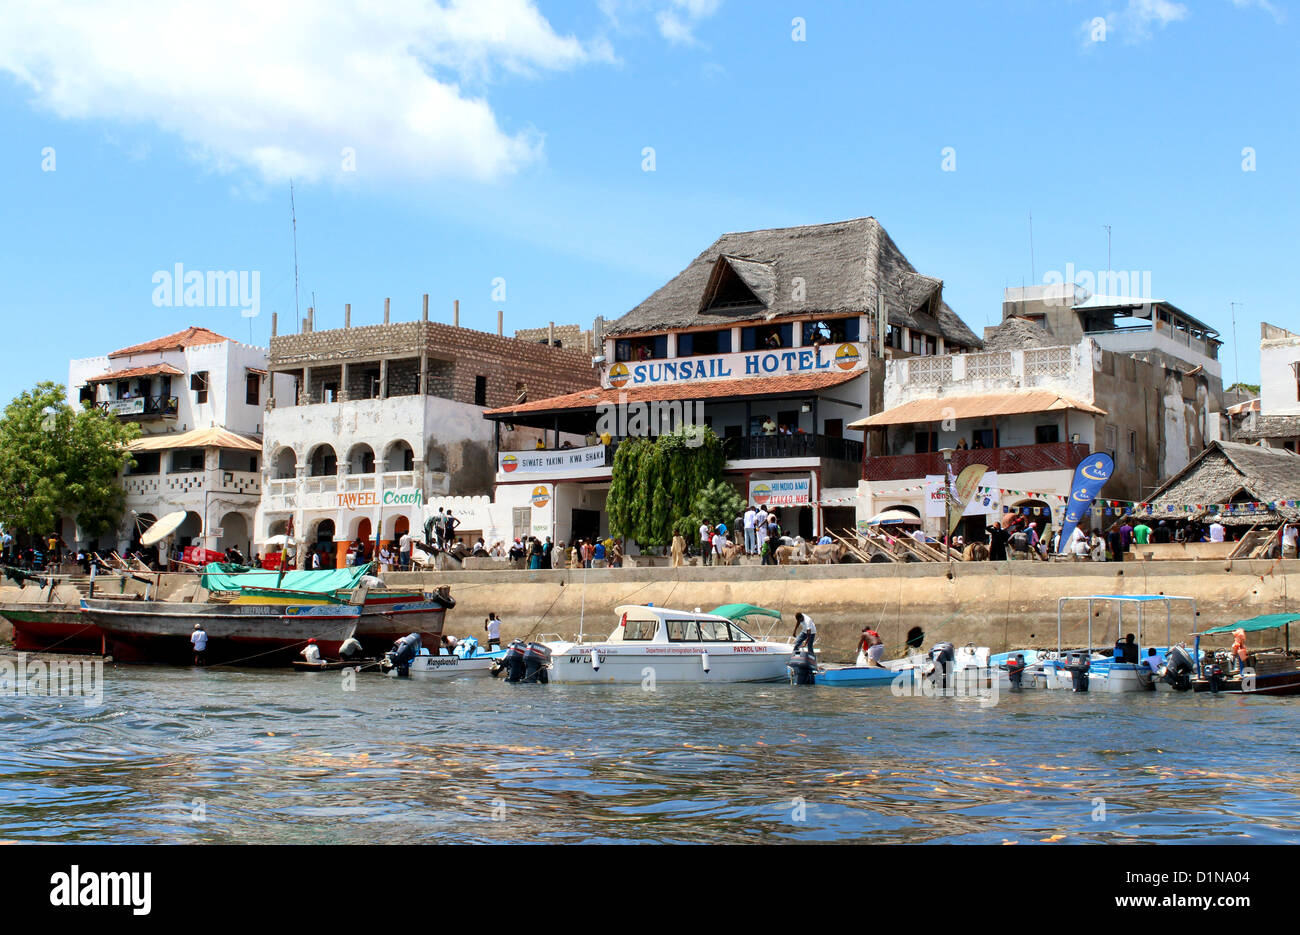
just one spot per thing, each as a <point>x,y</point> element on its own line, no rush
<point>126,407</point>
<point>366,499</point>
<point>795,491</point>
<point>985,501</point>
<point>550,460</point>
<point>830,358</point>
<point>542,500</point>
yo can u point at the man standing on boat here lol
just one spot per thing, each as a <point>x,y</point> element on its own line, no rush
<point>806,631</point>
<point>199,640</point>
<point>493,627</point>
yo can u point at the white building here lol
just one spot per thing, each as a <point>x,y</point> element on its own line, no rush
<point>1276,420</point>
<point>375,422</point>
<point>199,399</point>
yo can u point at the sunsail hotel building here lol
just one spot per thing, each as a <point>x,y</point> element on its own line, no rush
<point>775,339</point>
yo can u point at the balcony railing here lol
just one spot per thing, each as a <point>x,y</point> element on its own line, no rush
<point>1057,456</point>
<point>141,407</point>
<point>759,447</point>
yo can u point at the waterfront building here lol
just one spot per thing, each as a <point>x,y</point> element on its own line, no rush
<point>774,338</point>
<point>1239,485</point>
<point>199,399</point>
<point>1065,373</point>
<point>1273,420</point>
<point>377,420</point>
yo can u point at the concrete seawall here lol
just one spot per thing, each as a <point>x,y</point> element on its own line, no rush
<point>1003,605</point>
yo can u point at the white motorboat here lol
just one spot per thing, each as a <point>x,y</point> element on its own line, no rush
<point>655,644</point>
<point>426,665</point>
<point>1121,669</point>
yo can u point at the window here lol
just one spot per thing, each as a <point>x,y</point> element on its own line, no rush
<point>764,337</point>
<point>682,631</point>
<point>639,629</point>
<point>632,349</point>
<point>1112,441</point>
<point>480,391</point>
<point>788,418</point>
<point>714,631</point>
<point>199,384</point>
<point>522,520</point>
<point>895,337</point>
<point>833,428</point>
<point>123,390</point>
<point>841,329</point>
<point>253,390</point>
<point>916,344</point>
<point>1047,434</point>
<point>704,342</point>
<point>87,394</point>
<point>1132,442</point>
<point>927,441</point>
<point>984,438</point>
<point>931,345</point>
<point>329,392</point>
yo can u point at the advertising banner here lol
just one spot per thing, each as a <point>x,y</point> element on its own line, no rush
<point>1089,477</point>
<point>550,460</point>
<point>795,491</point>
<point>985,498</point>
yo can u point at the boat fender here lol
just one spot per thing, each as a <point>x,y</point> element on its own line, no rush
<point>595,661</point>
<point>704,661</point>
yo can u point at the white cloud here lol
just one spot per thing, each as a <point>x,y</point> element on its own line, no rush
<point>678,21</point>
<point>1138,18</point>
<point>283,87</point>
<point>1271,9</point>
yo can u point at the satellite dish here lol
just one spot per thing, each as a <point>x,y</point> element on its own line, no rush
<point>163,528</point>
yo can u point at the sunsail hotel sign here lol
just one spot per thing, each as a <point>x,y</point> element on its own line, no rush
<point>830,358</point>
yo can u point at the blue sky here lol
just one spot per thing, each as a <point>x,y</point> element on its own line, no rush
<point>504,139</point>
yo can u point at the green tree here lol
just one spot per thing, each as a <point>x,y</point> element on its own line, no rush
<point>55,461</point>
<point>718,502</point>
<point>654,484</point>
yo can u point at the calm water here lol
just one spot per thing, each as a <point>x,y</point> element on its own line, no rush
<point>287,757</point>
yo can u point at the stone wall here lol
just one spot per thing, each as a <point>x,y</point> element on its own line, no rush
<point>1001,605</point>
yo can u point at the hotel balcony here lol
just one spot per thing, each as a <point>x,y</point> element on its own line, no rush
<point>179,482</point>
<point>1020,459</point>
<point>142,407</point>
<point>324,492</point>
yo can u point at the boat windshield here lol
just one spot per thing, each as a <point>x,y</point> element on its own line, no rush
<point>639,629</point>
<point>706,631</point>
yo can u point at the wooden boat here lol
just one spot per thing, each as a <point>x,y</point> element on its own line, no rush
<point>1274,672</point>
<point>244,634</point>
<point>52,628</point>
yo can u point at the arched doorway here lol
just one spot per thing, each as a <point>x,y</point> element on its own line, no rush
<point>361,459</point>
<point>285,464</point>
<point>234,531</point>
<point>324,462</point>
<point>398,456</point>
<point>362,537</point>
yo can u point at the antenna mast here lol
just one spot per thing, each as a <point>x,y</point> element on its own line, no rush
<point>1236,365</point>
<point>1033,275</point>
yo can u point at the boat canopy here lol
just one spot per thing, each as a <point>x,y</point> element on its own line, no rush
<point>324,581</point>
<point>1252,624</point>
<point>736,611</point>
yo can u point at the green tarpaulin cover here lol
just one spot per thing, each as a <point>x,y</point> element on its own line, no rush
<point>736,611</point>
<point>1266,622</point>
<point>324,581</point>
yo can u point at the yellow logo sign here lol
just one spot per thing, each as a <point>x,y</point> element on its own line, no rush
<point>619,375</point>
<point>847,356</point>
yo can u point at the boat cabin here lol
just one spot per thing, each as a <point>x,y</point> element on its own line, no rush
<point>641,624</point>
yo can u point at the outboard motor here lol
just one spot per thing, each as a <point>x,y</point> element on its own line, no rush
<point>1078,664</point>
<point>537,659</point>
<point>1177,669</point>
<point>943,658</point>
<point>803,669</point>
<point>403,651</point>
<point>512,663</point>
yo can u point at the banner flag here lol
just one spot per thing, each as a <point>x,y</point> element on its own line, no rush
<point>1089,477</point>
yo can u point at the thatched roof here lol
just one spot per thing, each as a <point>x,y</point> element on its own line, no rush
<point>842,266</point>
<point>1227,472</point>
<point>1016,334</point>
<point>1271,427</point>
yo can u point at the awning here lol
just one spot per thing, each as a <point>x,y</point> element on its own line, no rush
<point>198,438</point>
<point>1253,624</point>
<point>152,370</point>
<point>890,517</point>
<point>941,408</point>
<point>736,611</point>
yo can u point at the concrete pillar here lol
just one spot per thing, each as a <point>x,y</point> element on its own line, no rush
<point>343,382</point>
<point>304,391</point>
<point>550,335</point>
<point>386,301</point>
<point>425,314</point>
<point>347,315</point>
<point>275,323</point>
<point>424,375</point>
<point>383,378</point>
<point>455,313</point>
<point>310,323</point>
<point>501,323</point>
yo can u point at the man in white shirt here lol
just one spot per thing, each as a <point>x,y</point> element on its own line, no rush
<point>706,544</point>
<point>1216,531</point>
<point>493,627</point>
<point>404,551</point>
<point>315,559</point>
<point>311,652</point>
<point>1078,543</point>
<point>719,541</point>
<point>806,631</point>
<point>199,640</point>
<point>751,539</point>
<point>1289,540</point>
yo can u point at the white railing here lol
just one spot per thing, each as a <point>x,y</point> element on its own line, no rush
<point>1048,361</point>
<point>929,371</point>
<point>991,366</point>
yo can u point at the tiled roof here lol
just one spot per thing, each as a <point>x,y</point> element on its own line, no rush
<point>940,408</point>
<point>710,389</point>
<point>190,337</point>
<point>152,370</point>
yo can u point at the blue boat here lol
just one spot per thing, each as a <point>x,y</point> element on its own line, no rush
<point>855,676</point>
